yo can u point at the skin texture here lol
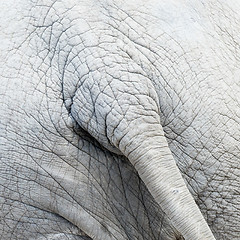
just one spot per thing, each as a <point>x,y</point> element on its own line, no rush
<point>119,120</point>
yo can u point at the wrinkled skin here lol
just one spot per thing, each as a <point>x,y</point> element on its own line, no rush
<point>59,176</point>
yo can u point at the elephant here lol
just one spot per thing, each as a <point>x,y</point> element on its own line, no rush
<point>120,119</point>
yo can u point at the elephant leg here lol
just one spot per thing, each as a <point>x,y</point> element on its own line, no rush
<point>21,221</point>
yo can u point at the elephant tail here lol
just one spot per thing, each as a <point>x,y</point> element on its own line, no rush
<point>121,110</point>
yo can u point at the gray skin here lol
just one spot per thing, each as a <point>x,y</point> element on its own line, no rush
<point>119,120</point>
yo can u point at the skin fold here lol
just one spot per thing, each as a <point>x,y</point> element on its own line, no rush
<point>119,120</point>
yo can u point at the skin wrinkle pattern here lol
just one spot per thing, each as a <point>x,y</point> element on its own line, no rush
<point>119,120</point>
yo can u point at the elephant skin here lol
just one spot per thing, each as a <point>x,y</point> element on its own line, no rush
<point>119,120</point>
